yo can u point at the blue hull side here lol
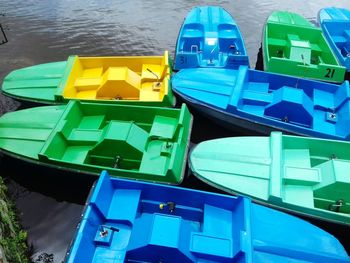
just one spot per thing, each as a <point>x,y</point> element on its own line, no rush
<point>209,37</point>
<point>267,101</point>
<point>129,221</point>
<point>335,24</point>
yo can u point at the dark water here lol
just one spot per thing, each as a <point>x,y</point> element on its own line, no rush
<point>44,31</point>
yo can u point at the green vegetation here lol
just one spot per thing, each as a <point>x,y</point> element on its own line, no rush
<point>12,238</point>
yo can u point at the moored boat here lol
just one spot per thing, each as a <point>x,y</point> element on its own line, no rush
<point>145,143</point>
<point>335,24</point>
<point>260,102</point>
<point>307,176</point>
<point>142,80</point>
<point>209,37</point>
<point>294,46</point>
<point>129,221</point>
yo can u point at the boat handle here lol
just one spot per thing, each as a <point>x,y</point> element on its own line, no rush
<point>194,47</point>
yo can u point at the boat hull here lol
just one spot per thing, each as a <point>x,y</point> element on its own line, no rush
<point>134,221</point>
<point>293,174</point>
<point>146,143</point>
<point>296,52</point>
<point>335,24</point>
<point>120,80</point>
<point>209,37</point>
<point>261,102</point>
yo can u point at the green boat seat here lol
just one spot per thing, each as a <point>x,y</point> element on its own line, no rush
<point>163,127</point>
<point>277,42</point>
<point>84,135</point>
<point>92,122</point>
<point>301,176</point>
<point>76,154</point>
<point>156,158</point>
<point>336,187</point>
<point>300,50</point>
<point>299,195</point>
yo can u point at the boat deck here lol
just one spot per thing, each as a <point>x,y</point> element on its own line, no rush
<point>210,37</point>
<point>298,105</point>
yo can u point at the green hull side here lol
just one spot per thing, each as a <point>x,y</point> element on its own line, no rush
<point>304,175</point>
<point>36,83</point>
<point>44,84</point>
<point>293,46</point>
<point>145,143</point>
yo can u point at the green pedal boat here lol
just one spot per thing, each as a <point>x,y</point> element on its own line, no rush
<point>294,46</point>
<point>308,176</point>
<point>135,80</point>
<point>146,143</point>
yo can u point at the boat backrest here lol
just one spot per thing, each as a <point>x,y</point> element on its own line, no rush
<point>119,83</point>
<point>215,236</point>
<point>192,36</point>
<point>291,105</point>
<point>101,197</point>
<point>124,206</point>
<point>342,95</point>
<point>240,85</point>
<point>229,40</point>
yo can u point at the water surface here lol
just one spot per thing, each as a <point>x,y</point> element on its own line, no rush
<point>45,31</point>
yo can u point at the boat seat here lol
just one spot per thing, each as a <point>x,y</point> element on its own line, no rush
<point>277,42</point>
<point>347,34</point>
<point>302,176</point>
<point>76,154</point>
<point>216,236</point>
<point>299,195</point>
<point>300,51</point>
<point>163,127</point>
<point>89,80</point>
<point>275,171</point>
<point>127,203</point>
<point>291,103</point>
<point>339,40</point>
<point>84,135</point>
<point>119,82</point>
<point>158,70</point>
<point>92,122</point>
<point>192,36</point>
<point>237,91</point>
<point>252,97</point>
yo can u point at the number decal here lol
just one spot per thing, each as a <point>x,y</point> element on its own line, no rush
<point>330,73</point>
<point>183,60</point>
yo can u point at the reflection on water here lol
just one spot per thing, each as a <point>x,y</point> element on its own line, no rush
<point>44,31</point>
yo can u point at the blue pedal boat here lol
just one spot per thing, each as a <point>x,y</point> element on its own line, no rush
<point>130,221</point>
<point>209,37</point>
<point>335,24</point>
<point>261,102</point>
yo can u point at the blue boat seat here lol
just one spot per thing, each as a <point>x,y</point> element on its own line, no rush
<point>120,212</point>
<point>216,236</point>
<point>291,105</point>
<point>192,38</point>
<point>342,126</point>
<point>227,37</point>
<point>252,97</point>
<point>240,85</point>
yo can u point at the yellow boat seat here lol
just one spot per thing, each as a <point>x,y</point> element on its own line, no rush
<point>119,82</point>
